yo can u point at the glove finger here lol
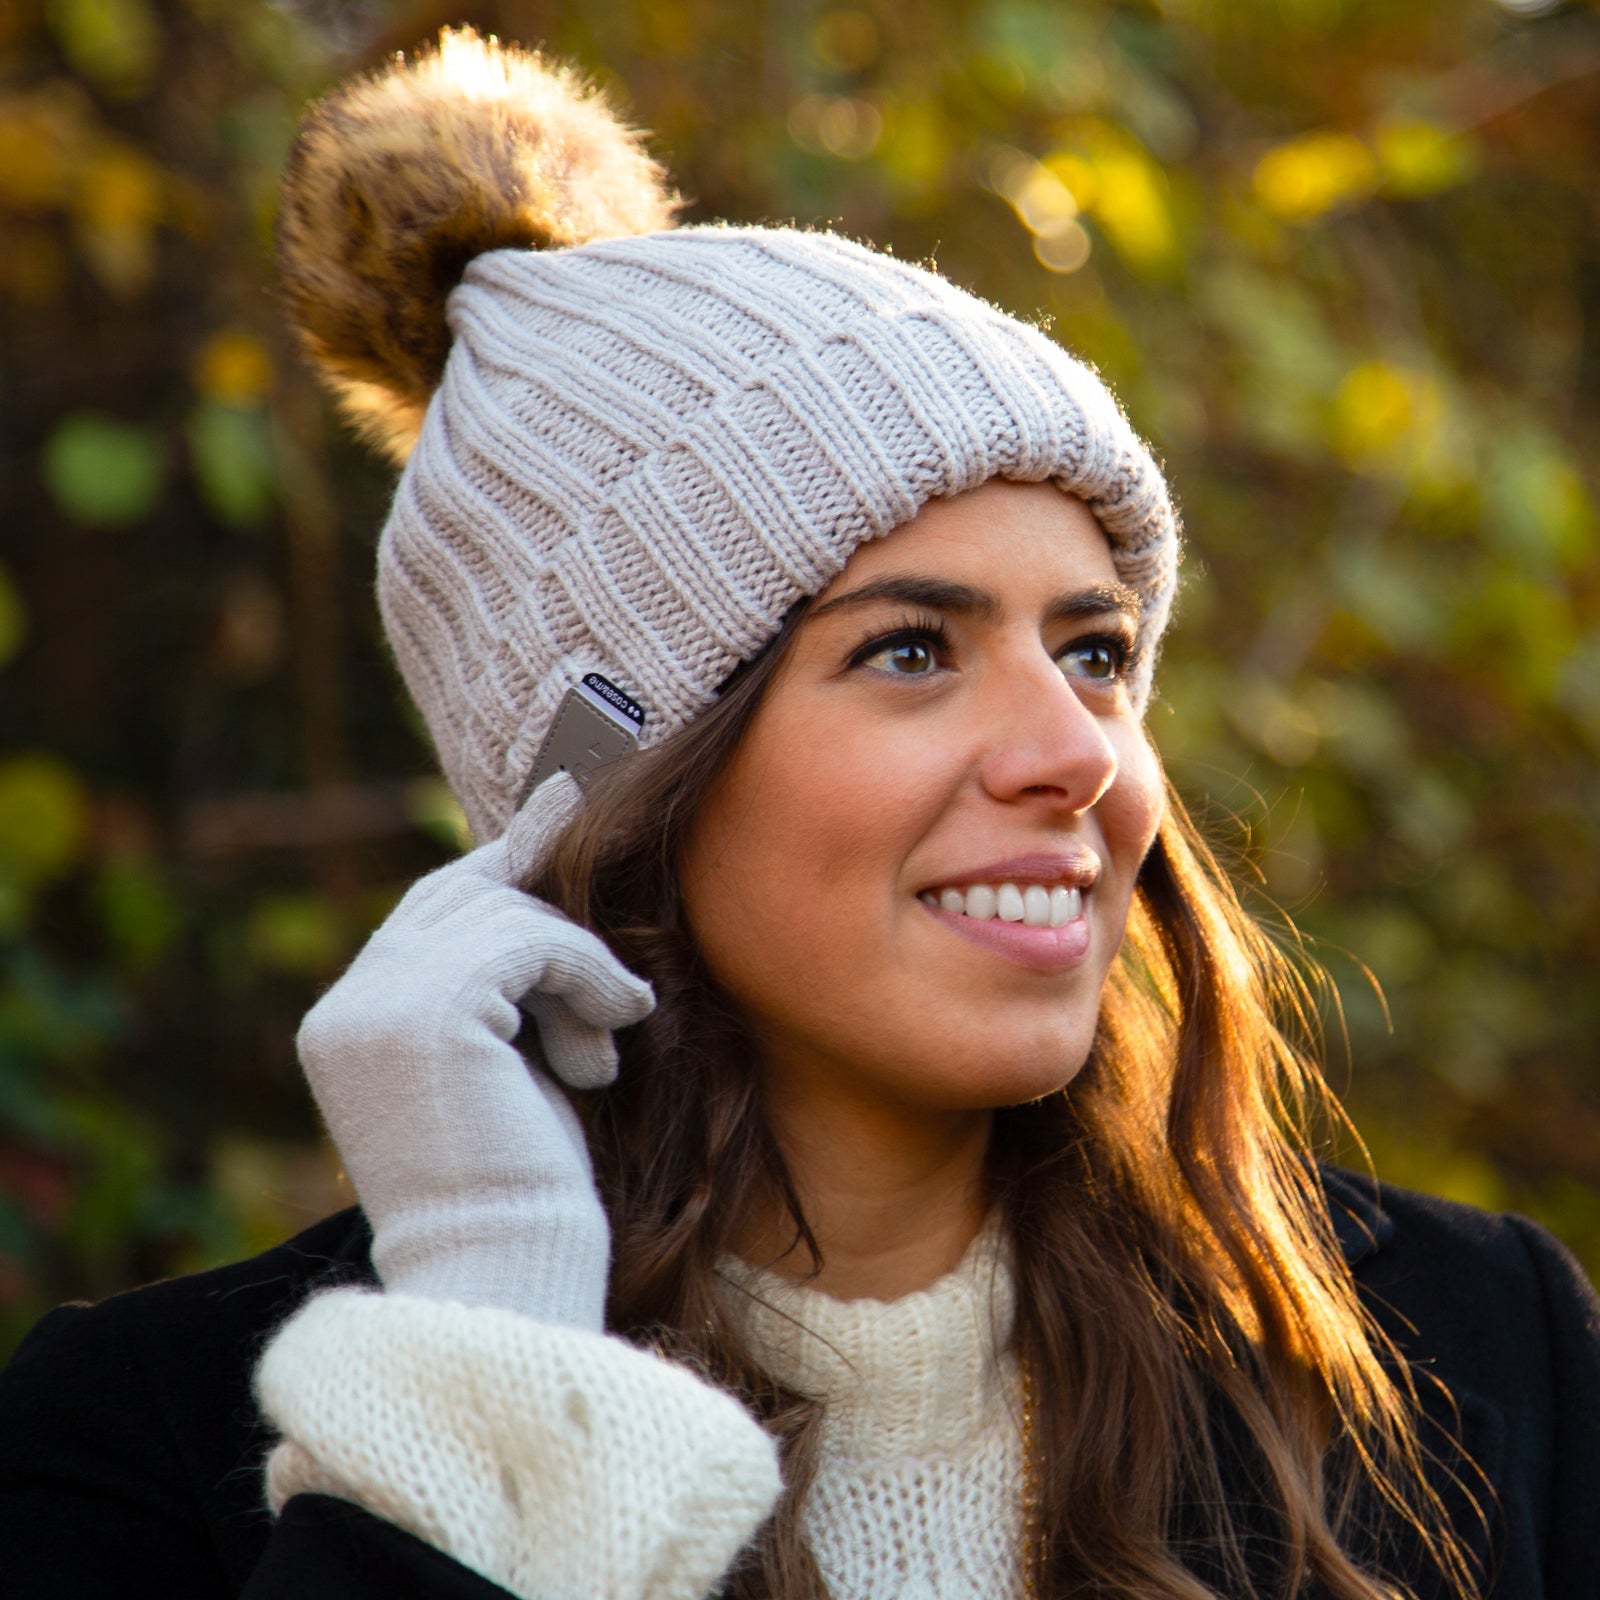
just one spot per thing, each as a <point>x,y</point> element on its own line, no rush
<point>537,826</point>
<point>594,985</point>
<point>577,1052</point>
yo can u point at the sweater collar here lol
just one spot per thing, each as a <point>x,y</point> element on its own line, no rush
<point>927,1374</point>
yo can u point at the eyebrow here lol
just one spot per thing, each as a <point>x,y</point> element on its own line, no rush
<point>963,599</point>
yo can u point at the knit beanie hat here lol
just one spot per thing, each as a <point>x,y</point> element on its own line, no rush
<point>630,448</point>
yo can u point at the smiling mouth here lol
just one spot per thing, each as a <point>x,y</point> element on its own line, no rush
<point>1034,905</point>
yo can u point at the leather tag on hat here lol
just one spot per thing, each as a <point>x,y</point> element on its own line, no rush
<point>597,723</point>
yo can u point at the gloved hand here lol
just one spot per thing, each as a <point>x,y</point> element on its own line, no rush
<point>468,1160</point>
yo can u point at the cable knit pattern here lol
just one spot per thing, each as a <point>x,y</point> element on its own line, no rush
<point>920,1488</point>
<point>645,450</point>
<point>560,1464</point>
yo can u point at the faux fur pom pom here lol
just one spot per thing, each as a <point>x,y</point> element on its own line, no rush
<point>398,180</point>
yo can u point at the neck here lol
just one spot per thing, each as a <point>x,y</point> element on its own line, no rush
<point>893,1199</point>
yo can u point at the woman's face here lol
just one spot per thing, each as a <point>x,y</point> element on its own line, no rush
<point>947,747</point>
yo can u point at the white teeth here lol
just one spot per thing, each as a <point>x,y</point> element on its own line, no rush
<point>1065,906</point>
<point>1034,906</point>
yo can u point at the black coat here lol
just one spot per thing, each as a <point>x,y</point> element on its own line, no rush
<point>130,1446</point>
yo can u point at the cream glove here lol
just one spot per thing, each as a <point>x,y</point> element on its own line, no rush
<point>468,1160</point>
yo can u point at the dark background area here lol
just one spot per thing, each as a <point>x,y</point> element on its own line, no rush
<point>1338,257</point>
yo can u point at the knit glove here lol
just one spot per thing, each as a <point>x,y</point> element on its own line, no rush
<point>469,1162</point>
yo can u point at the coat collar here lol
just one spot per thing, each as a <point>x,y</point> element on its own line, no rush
<point>1360,1223</point>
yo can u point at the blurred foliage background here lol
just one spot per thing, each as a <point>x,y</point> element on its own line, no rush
<point>1341,259</point>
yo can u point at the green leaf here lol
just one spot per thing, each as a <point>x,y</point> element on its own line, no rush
<point>115,43</point>
<point>44,817</point>
<point>103,473</point>
<point>1537,508</point>
<point>230,449</point>
<point>296,933</point>
<point>140,910</point>
<point>433,808</point>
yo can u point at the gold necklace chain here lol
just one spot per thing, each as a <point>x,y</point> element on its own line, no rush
<point>1031,1531</point>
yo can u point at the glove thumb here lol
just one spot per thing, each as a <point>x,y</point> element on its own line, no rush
<point>530,836</point>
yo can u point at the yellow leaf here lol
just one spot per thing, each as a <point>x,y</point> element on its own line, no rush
<point>44,140</point>
<point>1383,417</point>
<point>1077,174</point>
<point>1130,204</point>
<point>1301,180</point>
<point>44,817</point>
<point>1109,175</point>
<point>233,368</point>
<point>119,203</point>
<point>1419,158</point>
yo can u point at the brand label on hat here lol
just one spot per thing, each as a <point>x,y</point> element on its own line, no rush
<point>606,696</point>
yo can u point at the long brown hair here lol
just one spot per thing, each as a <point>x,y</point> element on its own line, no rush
<point>1190,1328</point>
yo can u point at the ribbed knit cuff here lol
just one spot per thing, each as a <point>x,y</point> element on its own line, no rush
<point>560,1464</point>
<point>544,1253</point>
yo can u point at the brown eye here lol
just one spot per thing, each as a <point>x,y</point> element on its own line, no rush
<point>908,656</point>
<point>916,649</point>
<point>911,657</point>
<point>1101,660</point>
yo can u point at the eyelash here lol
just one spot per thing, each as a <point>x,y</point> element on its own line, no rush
<point>929,629</point>
<point>910,630</point>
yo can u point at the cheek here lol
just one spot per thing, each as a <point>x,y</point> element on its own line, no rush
<point>794,863</point>
<point>1129,816</point>
<point>1132,810</point>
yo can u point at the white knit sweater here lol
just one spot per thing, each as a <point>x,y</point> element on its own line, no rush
<point>919,1492</point>
<point>560,1463</point>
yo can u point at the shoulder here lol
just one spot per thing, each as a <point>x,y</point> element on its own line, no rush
<point>167,1325</point>
<point>189,1333</point>
<point>144,1400</point>
<point>1501,1331</point>
<point>1462,1281</point>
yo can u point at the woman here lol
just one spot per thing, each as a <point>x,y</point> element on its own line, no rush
<point>940,1219</point>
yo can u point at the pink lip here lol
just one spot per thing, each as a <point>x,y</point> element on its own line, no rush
<point>1077,870</point>
<point>1042,949</point>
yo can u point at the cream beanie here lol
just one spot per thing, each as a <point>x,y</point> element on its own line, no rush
<point>630,449</point>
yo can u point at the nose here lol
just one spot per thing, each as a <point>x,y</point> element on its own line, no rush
<point>1042,742</point>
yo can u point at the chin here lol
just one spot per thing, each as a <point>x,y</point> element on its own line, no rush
<point>993,1079</point>
<point>1023,1088</point>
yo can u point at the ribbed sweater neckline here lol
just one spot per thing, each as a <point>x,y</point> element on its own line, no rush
<point>930,1373</point>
